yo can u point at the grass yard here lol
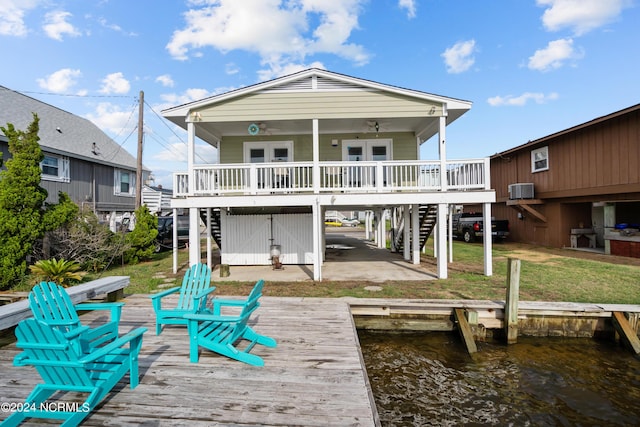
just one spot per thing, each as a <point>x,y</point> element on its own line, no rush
<point>546,275</point>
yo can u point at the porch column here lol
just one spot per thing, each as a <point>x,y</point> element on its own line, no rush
<point>441,225</point>
<point>442,150</point>
<point>316,157</point>
<point>406,238</point>
<point>415,234</point>
<point>194,236</point>
<point>191,156</point>
<point>318,222</point>
<point>382,237</point>
<point>175,242</point>
<point>209,239</point>
<point>450,236</point>
<point>487,239</point>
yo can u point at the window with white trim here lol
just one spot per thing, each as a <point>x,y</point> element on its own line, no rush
<point>540,159</point>
<point>55,168</point>
<point>124,183</point>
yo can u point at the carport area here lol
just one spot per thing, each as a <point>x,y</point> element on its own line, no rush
<point>348,257</point>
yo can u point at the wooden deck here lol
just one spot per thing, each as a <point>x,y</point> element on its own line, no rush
<point>315,377</point>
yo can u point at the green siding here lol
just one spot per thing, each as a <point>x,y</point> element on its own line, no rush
<point>320,105</point>
<point>404,146</point>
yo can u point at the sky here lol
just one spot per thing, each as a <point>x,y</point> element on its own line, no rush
<point>530,67</point>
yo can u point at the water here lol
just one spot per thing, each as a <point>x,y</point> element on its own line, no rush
<point>428,379</point>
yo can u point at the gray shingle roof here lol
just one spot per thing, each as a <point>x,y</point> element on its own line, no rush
<point>75,136</point>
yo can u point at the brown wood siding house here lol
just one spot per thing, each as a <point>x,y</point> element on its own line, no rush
<point>586,186</point>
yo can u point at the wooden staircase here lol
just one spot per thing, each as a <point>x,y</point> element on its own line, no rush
<point>426,223</point>
<point>216,231</point>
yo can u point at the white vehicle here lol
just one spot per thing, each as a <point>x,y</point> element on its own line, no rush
<point>335,217</point>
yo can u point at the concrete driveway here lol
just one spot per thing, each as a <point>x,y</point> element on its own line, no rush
<point>349,257</point>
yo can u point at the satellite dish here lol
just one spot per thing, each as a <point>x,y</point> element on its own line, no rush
<point>253,129</point>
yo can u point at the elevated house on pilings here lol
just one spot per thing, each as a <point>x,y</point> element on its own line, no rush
<point>294,147</point>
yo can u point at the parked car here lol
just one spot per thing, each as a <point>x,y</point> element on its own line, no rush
<point>350,222</point>
<point>468,226</point>
<point>164,241</point>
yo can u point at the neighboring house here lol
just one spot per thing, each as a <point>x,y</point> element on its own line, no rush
<point>157,199</point>
<point>292,148</point>
<point>579,187</point>
<point>79,159</point>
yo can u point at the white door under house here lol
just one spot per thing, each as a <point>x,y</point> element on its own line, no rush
<point>364,150</point>
<point>268,152</point>
<point>248,238</point>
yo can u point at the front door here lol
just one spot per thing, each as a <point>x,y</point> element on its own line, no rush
<point>268,152</point>
<point>369,150</point>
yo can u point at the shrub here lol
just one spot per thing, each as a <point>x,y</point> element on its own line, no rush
<point>60,271</point>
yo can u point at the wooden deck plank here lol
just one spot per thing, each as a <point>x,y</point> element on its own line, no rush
<point>315,377</point>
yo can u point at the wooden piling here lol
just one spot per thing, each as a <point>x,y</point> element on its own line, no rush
<point>465,331</point>
<point>627,333</point>
<point>511,303</point>
<point>224,270</point>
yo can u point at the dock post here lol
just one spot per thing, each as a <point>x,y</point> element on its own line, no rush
<point>628,335</point>
<point>465,331</point>
<point>511,303</point>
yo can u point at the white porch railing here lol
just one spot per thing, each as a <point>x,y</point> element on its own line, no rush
<point>356,177</point>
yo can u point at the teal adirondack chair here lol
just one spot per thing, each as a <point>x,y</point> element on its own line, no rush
<point>223,334</point>
<point>217,304</point>
<point>196,286</point>
<point>50,303</point>
<point>64,369</point>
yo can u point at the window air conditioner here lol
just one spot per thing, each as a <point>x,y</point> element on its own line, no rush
<point>521,191</point>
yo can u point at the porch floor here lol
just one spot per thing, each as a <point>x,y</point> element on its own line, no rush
<point>349,257</point>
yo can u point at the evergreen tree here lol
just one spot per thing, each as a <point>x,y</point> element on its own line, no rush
<point>21,202</point>
<point>142,238</point>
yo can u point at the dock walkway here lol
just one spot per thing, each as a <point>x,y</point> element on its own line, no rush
<point>315,377</point>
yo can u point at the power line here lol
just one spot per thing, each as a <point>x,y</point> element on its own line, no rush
<point>74,95</point>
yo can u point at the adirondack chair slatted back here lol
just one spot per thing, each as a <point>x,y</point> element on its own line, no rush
<point>251,305</point>
<point>42,342</point>
<point>195,280</point>
<point>50,302</point>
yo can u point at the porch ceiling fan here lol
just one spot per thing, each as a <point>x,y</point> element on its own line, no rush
<point>376,126</point>
<point>260,129</point>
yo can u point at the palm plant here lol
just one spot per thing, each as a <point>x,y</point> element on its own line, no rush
<point>61,271</point>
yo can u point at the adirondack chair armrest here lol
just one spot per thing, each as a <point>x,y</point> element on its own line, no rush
<point>22,360</point>
<point>162,294</point>
<point>218,303</point>
<point>114,307</point>
<point>200,300</point>
<point>212,318</point>
<point>114,345</point>
<point>74,333</point>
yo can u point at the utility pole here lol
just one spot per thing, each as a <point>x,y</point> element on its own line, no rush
<point>139,157</point>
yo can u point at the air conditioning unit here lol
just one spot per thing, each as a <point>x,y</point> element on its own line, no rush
<point>521,191</point>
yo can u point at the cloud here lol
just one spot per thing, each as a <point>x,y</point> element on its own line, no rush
<point>165,80</point>
<point>110,117</point>
<point>12,13</point>
<point>519,101</point>
<point>278,70</point>
<point>554,55</point>
<point>581,16</point>
<point>56,25</point>
<point>279,32</point>
<point>115,27</point>
<point>115,83</point>
<point>459,57</point>
<point>410,5</point>
<point>60,81</point>
<point>193,94</point>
